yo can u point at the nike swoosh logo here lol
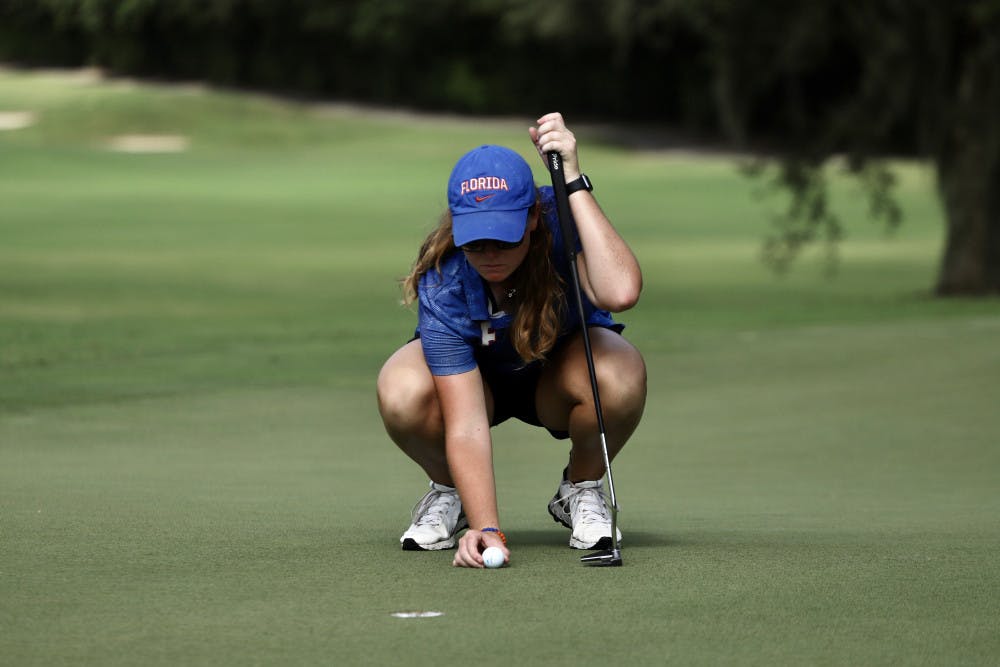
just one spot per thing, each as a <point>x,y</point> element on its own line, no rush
<point>482,198</point>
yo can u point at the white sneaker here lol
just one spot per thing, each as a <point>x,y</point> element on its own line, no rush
<point>436,519</point>
<point>581,507</point>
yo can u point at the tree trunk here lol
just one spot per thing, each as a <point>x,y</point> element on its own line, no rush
<point>971,194</point>
<point>969,181</point>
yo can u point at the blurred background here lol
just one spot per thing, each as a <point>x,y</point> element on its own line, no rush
<point>808,80</point>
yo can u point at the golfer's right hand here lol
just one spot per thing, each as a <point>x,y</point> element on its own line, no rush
<point>551,134</point>
<point>471,546</point>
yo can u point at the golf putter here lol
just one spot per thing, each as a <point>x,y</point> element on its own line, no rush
<point>612,556</point>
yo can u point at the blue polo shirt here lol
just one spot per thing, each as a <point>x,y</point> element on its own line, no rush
<point>457,326</point>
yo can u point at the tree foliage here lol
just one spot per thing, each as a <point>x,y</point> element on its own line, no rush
<point>865,80</point>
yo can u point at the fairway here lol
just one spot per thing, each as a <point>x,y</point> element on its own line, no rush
<point>193,470</point>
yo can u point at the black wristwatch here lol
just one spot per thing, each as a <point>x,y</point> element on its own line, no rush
<point>582,183</point>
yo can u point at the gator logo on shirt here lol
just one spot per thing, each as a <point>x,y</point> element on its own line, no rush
<point>484,183</point>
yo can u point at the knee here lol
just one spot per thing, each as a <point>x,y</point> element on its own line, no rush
<point>622,383</point>
<point>405,398</point>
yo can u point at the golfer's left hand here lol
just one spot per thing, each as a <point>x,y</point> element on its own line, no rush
<point>551,134</point>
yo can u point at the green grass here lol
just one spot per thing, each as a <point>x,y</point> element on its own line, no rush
<point>192,469</point>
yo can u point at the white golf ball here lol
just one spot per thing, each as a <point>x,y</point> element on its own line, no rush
<point>493,557</point>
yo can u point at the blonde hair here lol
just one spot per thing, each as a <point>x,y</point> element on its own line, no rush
<point>537,312</point>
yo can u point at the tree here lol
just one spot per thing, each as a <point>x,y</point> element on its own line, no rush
<point>860,78</point>
<point>867,78</point>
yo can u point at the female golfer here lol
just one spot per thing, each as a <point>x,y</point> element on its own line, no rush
<point>496,338</point>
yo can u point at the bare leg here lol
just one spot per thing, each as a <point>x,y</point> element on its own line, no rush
<point>408,403</point>
<point>565,399</point>
<point>409,407</point>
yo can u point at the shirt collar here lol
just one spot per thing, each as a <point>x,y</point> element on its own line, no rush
<point>475,293</point>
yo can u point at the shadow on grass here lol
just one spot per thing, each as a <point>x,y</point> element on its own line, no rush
<point>557,536</point>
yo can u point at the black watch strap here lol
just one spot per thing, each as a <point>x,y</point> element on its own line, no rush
<point>582,183</point>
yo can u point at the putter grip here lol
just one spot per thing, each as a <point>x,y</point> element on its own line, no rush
<point>566,223</point>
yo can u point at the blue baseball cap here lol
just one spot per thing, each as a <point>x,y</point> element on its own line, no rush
<point>489,193</point>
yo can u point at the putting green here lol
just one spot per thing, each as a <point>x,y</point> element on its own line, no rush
<point>192,469</point>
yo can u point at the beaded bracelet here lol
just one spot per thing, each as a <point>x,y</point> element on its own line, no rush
<point>499,532</point>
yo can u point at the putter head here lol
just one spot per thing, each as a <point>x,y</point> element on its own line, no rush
<point>608,558</point>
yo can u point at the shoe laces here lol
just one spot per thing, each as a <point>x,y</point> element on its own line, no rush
<point>433,508</point>
<point>588,505</point>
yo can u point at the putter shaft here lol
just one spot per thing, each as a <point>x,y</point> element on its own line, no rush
<point>613,556</point>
